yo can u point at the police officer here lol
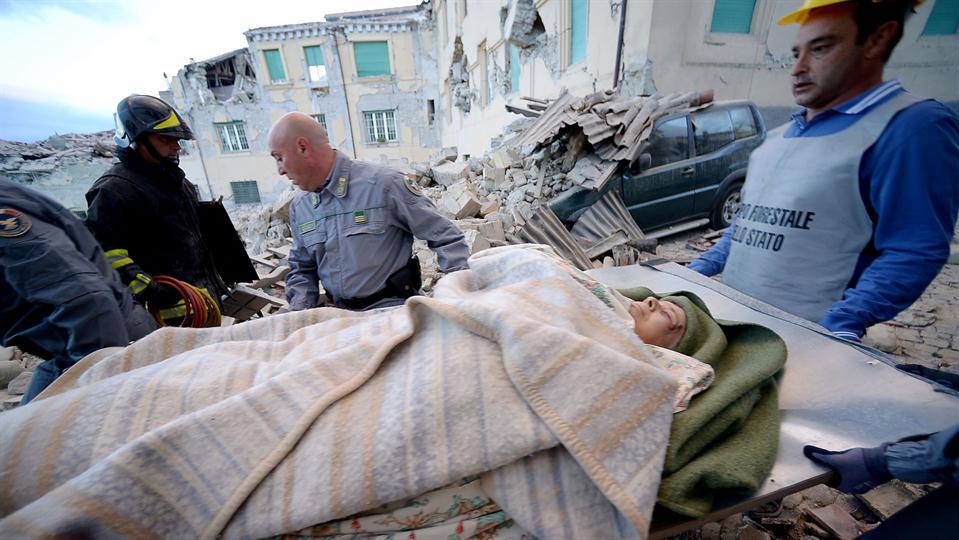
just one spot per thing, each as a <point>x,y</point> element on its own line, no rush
<point>353,224</point>
<point>144,212</point>
<point>59,298</point>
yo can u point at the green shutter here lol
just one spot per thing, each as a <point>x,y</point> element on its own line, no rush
<point>274,64</point>
<point>514,68</point>
<point>944,19</point>
<point>372,58</point>
<point>732,16</point>
<point>579,15</point>
<point>314,55</point>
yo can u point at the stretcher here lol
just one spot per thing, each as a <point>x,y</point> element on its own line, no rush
<point>833,394</point>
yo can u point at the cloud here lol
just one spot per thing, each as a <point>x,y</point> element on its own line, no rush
<point>29,121</point>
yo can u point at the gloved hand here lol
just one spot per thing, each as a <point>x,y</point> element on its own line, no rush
<point>162,296</point>
<point>857,470</point>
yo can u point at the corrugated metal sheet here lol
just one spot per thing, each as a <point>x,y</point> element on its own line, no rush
<point>605,218</point>
<point>545,228</point>
<point>550,123</point>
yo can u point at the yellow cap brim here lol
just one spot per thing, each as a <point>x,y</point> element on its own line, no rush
<point>798,16</point>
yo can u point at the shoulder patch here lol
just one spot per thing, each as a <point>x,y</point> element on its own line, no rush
<point>13,223</point>
<point>411,186</point>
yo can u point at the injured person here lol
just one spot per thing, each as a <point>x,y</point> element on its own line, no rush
<point>509,403</point>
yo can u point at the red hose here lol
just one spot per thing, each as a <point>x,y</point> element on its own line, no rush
<point>201,310</point>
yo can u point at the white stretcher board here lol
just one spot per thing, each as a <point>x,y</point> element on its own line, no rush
<point>832,394</point>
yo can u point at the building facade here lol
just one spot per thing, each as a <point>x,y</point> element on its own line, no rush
<point>368,77</point>
<point>490,55</point>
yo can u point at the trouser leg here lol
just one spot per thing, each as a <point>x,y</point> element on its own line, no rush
<point>43,376</point>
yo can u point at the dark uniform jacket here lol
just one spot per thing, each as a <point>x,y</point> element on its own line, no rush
<point>59,298</point>
<point>150,211</point>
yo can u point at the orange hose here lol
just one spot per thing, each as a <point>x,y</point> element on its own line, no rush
<point>201,310</point>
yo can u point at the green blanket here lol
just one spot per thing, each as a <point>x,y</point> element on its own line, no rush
<point>725,443</point>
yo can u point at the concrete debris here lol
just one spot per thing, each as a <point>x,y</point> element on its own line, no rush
<point>18,385</point>
<point>835,520</point>
<point>228,78</point>
<point>62,166</point>
<point>9,370</point>
<point>523,24</point>
<point>449,173</point>
<point>459,78</point>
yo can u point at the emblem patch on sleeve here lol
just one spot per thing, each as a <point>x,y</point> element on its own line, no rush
<point>13,223</point>
<point>411,186</point>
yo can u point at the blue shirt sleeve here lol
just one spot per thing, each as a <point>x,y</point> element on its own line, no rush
<point>911,188</point>
<point>935,459</point>
<point>303,282</point>
<point>713,261</point>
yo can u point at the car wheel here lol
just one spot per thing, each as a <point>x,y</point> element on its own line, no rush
<point>726,206</point>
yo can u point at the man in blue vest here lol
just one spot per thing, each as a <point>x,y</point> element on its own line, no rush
<point>847,210</point>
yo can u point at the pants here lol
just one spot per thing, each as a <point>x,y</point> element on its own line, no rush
<point>43,376</point>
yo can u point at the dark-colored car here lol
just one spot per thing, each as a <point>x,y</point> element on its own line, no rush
<point>693,168</point>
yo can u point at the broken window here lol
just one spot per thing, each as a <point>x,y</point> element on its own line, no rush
<point>372,58</point>
<point>431,111</point>
<point>232,136</point>
<point>321,118</point>
<point>380,126</point>
<point>514,68</point>
<point>274,65</point>
<point>944,19</point>
<point>732,16</point>
<point>315,67</point>
<point>579,22</point>
<point>246,192</point>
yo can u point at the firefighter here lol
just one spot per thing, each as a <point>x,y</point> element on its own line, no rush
<point>145,213</point>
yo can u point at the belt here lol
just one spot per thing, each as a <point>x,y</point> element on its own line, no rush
<point>367,301</point>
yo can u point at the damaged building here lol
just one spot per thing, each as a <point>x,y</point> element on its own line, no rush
<point>369,77</point>
<point>490,58</point>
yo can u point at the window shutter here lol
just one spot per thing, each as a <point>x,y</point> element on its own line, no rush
<point>274,64</point>
<point>732,16</point>
<point>944,19</point>
<point>314,55</point>
<point>579,15</point>
<point>372,58</point>
<point>514,68</point>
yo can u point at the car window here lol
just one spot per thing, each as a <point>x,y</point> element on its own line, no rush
<point>744,125</point>
<point>712,130</point>
<point>669,142</point>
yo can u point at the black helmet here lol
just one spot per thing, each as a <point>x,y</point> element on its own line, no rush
<point>138,114</point>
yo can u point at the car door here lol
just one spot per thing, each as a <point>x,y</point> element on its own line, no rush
<point>712,136</point>
<point>663,194</point>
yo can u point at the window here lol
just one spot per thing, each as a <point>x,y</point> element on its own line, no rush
<point>514,68</point>
<point>712,130</point>
<point>315,68</point>
<point>232,136</point>
<point>431,111</point>
<point>732,16</point>
<point>274,64</point>
<point>944,19</point>
<point>245,192</point>
<point>744,125</point>
<point>372,58</point>
<point>579,16</point>
<point>321,118</point>
<point>669,142</point>
<point>380,126</point>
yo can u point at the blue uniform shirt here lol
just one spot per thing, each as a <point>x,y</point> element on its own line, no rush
<point>909,182</point>
<point>358,229</point>
<point>59,298</point>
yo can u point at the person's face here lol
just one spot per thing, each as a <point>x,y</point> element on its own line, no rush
<point>166,146</point>
<point>291,162</point>
<point>658,322</point>
<point>828,60</point>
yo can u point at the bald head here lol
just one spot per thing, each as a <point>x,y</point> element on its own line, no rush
<point>302,151</point>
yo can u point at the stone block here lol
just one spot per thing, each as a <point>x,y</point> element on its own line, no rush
<point>821,495</point>
<point>493,230</point>
<point>449,153</point>
<point>450,173</point>
<point>469,206</point>
<point>881,337</point>
<point>835,520</point>
<point>18,386</point>
<point>10,403</point>
<point>9,371</point>
<point>476,241</point>
<point>490,207</point>
<point>887,499</point>
<point>518,177</point>
<point>505,158</point>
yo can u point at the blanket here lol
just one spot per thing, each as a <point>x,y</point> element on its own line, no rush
<point>511,371</point>
<point>725,443</point>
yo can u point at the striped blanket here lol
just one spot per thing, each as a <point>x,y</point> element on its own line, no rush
<point>512,371</point>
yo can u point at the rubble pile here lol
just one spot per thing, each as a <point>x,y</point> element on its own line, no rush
<point>28,162</point>
<point>569,142</point>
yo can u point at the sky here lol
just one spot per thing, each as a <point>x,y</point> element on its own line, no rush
<point>66,63</point>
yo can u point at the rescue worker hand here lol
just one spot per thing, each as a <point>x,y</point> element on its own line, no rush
<point>858,470</point>
<point>163,296</point>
